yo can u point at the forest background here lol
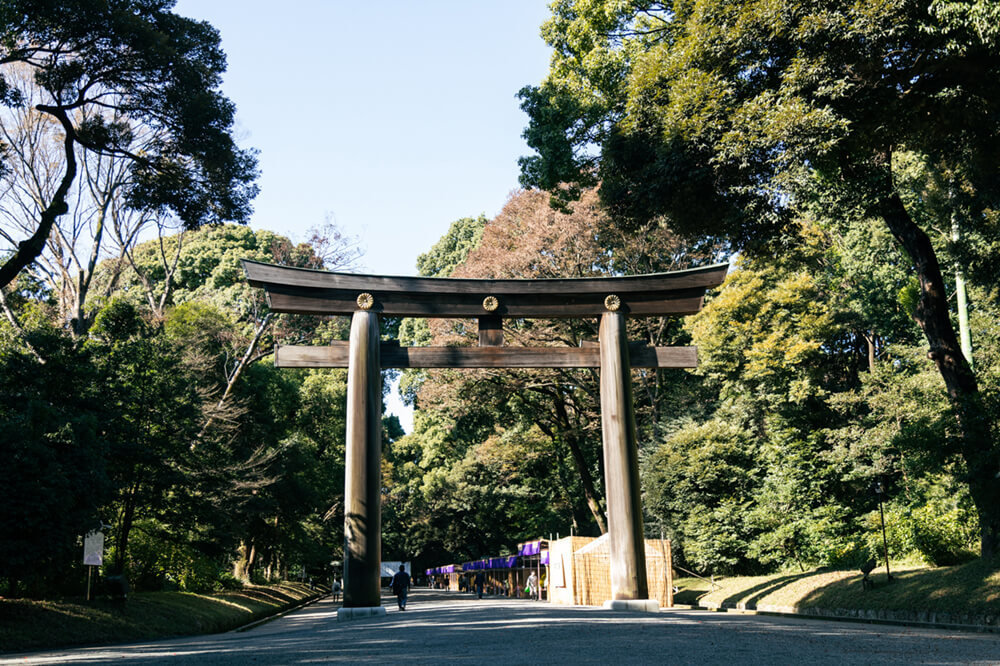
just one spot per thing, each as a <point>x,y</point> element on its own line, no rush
<point>841,156</point>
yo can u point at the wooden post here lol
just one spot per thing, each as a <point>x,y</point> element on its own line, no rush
<point>669,564</point>
<point>490,331</point>
<point>621,463</point>
<point>363,468</point>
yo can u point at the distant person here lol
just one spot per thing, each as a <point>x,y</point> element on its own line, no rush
<point>335,590</point>
<point>533,585</point>
<point>480,581</point>
<point>400,586</point>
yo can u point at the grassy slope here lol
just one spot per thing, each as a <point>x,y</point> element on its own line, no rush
<point>969,588</point>
<point>27,624</point>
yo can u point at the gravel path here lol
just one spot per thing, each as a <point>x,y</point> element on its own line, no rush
<point>447,628</point>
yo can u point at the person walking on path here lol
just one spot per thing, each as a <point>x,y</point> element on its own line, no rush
<point>480,581</point>
<point>533,585</point>
<point>400,586</point>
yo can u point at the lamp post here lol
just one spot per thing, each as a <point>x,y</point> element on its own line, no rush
<point>881,517</point>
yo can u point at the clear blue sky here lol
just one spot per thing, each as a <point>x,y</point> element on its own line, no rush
<point>396,118</point>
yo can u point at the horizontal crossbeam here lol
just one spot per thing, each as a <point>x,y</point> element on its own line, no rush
<point>394,356</point>
<point>304,291</point>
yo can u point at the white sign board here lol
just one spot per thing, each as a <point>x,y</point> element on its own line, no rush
<point>390,569</point>
<point>93,549</point>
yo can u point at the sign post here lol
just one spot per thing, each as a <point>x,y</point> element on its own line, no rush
<point>93,554</point>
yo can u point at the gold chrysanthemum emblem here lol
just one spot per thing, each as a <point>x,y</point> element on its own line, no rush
<point>365,301</point>
<point>490,303</point>
<point>612,303</point>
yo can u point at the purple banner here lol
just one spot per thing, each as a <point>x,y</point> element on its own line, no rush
<point>530,548</point>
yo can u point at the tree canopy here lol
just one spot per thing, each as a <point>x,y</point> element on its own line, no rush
<point>840,154</point>
<point>161,421</point>
<point>737,118</point>
<point>135,80</point>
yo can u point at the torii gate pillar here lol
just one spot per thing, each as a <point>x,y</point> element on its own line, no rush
<point>621,464</point>
<point>363,466</point>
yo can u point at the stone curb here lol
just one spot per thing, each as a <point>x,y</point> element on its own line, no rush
<point>972,622</point>
<point>359,613</point>
<point>275,616</point>
<point>633,605</point>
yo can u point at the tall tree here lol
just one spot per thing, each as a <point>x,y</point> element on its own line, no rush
<point>55,476</point>
<point>729,117</point>
<point>98,224</point>
<point>528,239</point>
<point>463,236</point>
<point>104,68</point>
<point>154,407</point>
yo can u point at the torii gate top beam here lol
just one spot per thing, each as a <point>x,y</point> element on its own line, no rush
<point>307,291</point>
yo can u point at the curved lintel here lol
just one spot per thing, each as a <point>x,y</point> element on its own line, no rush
<point>307,291</point>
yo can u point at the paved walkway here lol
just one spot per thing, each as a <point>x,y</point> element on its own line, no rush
<point>453,628</point>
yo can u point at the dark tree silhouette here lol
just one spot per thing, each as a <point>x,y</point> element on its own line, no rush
<point>106,67</point>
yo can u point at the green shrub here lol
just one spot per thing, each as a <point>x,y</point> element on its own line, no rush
<point>945,535</point>
<point>898,532</point>
<point>715,540</point>
<point>942,531</point>
<point>159,564</point>
<point>198,573</point>
<point>811,537</point>
<point>227,581</point>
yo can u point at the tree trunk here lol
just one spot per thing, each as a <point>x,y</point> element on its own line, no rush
<point>962,299</point>
<point>125,528</point>
<point>251,559</point>
<point>29,249</point>
<point>586,479</point>
<point>871,350</point>
<point>578,514</point>
<point>932,315</point>
<point>244,560</point>
<point>80,321</point>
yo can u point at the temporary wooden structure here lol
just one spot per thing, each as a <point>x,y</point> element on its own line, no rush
<point>579,571</point>
<point>365,297</point>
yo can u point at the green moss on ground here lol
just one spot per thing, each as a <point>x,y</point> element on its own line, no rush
<point>27,624</point>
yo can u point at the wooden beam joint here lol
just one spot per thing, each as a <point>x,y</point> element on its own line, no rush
<point>490,331</point>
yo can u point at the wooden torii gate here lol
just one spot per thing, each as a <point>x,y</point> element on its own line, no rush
<point>365,297</point>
